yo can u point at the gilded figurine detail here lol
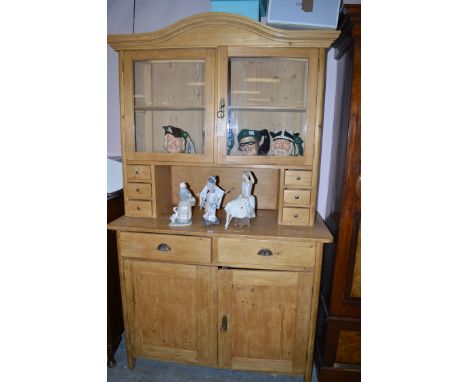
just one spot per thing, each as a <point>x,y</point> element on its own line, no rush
<point>210,200</point>
<point>242,208</point>
<point>182,215</point>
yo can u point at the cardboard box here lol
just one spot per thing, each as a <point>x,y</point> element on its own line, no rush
<point>303,14</point>
<point>250,8</point>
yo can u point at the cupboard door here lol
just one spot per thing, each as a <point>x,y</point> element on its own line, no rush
<point>170,311</point>
<point>271,102</point>
<point>263,320</point>
<point>169,105</point>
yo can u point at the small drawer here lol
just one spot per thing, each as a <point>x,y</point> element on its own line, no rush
<point>138,172</point>
<point>139,208</point>
<point>139,191</point>
<point>296,197</point>
<point>299,216</point>
<point>298,178</point>
<point>264,253</point>
<point>165,247</point>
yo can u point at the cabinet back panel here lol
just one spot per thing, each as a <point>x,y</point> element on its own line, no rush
<point>265,189</point>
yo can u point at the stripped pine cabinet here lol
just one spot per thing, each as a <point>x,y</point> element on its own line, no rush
<point>244,298</point>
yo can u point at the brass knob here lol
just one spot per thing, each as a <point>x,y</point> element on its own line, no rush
<point>298,178</point>
<point>295,215</point>
<point>296,197</point>
<point>138,172</point>
<point>138,208</point>
<point>137,190</point>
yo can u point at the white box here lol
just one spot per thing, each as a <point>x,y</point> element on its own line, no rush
<point>304,14</point>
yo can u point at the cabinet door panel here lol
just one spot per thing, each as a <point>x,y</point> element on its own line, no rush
<point>268,316</point>
<point>171,311</point>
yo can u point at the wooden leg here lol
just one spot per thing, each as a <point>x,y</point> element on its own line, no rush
<point>130,361</point>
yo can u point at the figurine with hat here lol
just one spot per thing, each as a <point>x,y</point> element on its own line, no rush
<point>253,142</point>
<point>177,140</point>
<point>182,215</point>
<point>210,199</point>
<point>287,143</point>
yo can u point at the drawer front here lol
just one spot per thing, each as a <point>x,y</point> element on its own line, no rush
<point>299,216</point>
<point>245,252</point>
<point>165,247</point>
<point>138,172</point>
<point>139,208</point>
<point>298,178</point>
<point>139,191</point>
<point>296,197</point>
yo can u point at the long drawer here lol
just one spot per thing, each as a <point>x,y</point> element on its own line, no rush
<point>165,247</point>
<point>264,253</point>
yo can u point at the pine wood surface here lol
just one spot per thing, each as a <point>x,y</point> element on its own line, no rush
<point>263,226</point>
<point>222,29</point>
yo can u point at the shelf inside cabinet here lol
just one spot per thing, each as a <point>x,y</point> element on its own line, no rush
<point>267,108</point>
<point>168,108</point>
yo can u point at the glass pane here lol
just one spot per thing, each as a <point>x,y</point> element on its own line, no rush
<point>267,100</point>
<point>169,106</point>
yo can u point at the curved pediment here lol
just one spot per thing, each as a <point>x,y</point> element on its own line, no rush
<point>214,29</point>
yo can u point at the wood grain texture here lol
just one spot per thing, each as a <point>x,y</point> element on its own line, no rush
<point>222,29</point>
<point>244,252</point>
<point>139,191</point>
<point>268,320</point>
<point>170,310</point>
<point>182,248</point>
<point>139,208</point>
<point>264,226</point>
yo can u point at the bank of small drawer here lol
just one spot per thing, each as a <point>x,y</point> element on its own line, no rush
<point>265,253</point>
<point>139,191</point>
<point>298,178</point>
<point>139,208</point>
<point>296,196</point>
<point>165,247</point>
<point>138,172</point>
<point>299,216</point>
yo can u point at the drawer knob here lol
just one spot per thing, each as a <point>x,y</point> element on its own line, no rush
<point>164,247</point>
<point>138,172</point>
<point>138,208</point>
<point>295,215</point>
<point>298,178</point>
<point>296,197</point>
<point>137,190</point>
<point>265,252</point>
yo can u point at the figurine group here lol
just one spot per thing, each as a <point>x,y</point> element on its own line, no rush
<point>250,142</point>
<point>255,142</point>
<point>242,208</point>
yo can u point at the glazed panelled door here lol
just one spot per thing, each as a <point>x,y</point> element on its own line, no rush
<point>270,102</point>
<point>263,320</point>
<point>168,109</point>
<point>169,308</point>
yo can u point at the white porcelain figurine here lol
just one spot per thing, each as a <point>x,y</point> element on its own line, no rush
<point>182,215</point>
<point>210,200</point>
<point>242,208</point>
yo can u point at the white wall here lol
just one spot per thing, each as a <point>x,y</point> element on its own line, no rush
<point>151,15</point>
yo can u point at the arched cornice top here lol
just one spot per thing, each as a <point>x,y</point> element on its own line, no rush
<point>214,29</point>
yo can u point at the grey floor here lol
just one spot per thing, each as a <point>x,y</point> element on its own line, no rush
<point>146,371</point>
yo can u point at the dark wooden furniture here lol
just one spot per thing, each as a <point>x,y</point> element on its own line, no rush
<point>338,345</point>
<point>115,327</point>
